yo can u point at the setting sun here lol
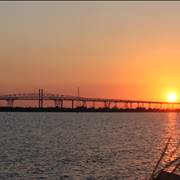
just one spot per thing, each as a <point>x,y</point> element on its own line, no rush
<point>171,97</point>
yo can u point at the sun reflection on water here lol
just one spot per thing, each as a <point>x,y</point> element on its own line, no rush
<point>171,131</point>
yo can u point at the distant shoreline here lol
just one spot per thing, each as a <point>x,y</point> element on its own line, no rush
<point>81,109</point>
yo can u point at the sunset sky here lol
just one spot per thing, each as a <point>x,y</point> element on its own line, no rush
<point>128,50</point>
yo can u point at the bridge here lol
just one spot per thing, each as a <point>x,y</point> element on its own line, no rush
<point>58,99</point>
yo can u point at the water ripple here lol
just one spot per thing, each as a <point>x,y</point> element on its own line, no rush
<point>88,146</point>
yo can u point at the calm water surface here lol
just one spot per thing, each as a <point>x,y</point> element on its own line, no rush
<point>83,145</point>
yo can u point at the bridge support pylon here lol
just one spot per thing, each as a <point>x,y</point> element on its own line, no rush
<point>126,105</point>
<point>84,105</point>
<point>94,105</point>
<point>40,98</point>
<point>58,103</point>
<point>72,104</point>
<point>107,104</point>
<point>10,102</point>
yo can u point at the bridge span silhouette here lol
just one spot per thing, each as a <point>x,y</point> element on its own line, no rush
<point>59,100</point>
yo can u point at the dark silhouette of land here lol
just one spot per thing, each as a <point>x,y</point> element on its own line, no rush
<point>82,109</point>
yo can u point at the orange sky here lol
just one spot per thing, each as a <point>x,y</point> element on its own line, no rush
<point>128,50</point>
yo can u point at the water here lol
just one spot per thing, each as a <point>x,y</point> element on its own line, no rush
<point>83,145</point>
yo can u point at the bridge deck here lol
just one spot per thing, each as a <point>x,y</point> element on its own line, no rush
<point>34,96</point>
